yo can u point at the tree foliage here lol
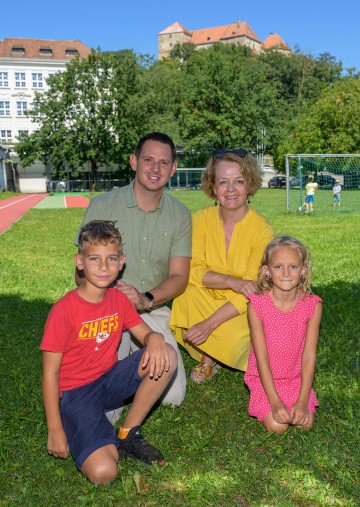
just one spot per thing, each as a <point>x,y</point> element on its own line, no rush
<point>332,124</point>
<point>85,115</point>
<point>224,96</point>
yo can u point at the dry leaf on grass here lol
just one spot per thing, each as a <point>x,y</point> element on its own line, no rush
<point>141,485</point>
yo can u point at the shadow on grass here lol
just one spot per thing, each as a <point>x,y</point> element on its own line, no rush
<point>217,455</point>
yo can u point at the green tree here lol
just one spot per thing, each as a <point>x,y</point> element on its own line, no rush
<point>227,99</point>
<point>85,115</point>
<point>332,124</point>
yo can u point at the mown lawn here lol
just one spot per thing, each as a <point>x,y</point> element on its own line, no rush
<point>217,455</point>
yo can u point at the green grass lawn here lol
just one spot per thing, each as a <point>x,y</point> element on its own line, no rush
<point>217,455</point>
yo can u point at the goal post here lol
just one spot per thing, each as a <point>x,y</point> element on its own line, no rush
<point>326,170</point>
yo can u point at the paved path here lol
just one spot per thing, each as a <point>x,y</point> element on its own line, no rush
<point>12,209</point>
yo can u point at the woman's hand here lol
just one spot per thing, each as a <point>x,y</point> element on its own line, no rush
<point>199,333</point>
<point>245,287</point>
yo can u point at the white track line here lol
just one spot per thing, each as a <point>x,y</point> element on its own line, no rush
<point>16,202</point>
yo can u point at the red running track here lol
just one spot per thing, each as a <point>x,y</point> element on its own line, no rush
<point>74,201</point>
<point>14,208</point>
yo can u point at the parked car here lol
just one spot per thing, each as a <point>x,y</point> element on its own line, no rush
<point>325,181</point>
<point>295,181</point>
<point>277,182</point>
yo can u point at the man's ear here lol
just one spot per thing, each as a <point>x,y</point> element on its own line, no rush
<point>173,169</point>
<point>133,162</point>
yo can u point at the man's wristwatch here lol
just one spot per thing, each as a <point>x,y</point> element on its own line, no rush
<point>150,298</point>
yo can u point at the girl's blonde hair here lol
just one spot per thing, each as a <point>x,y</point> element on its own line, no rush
<point>265,283</point>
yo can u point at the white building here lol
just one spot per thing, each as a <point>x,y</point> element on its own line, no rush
<point>25,64</point>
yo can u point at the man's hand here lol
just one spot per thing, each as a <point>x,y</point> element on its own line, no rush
<point>140,302</point>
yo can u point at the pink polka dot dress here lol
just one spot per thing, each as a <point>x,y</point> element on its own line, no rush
<point>285,334</point>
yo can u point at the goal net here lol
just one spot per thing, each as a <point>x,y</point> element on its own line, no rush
<point>327,171</point>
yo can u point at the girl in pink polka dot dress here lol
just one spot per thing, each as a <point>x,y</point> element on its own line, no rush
<point>284,319</point>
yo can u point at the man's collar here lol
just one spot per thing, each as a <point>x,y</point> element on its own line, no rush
<point>131,199</point>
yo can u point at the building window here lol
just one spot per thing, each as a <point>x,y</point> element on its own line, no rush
<point>4,108</point>
<point>36,108</point>
<point>21,108</point>
<point>5,135</point>
<point>20,81</point>
<point>71,52</point>
<point>45,51</point>
<point>171,44</point>
<point>37,80</point>
<point>22,134</point>
<point>4,79</point>
<point>18,50</point>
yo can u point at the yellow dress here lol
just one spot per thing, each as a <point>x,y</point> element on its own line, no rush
<point>230,342</point>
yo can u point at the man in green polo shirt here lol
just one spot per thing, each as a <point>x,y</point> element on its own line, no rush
<point>156,234</point>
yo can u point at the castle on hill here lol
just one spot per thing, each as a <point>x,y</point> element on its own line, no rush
<point>239,33</point>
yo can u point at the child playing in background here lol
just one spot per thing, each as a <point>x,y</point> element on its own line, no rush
<point>82,377</point>
<point>310,190</point>
<point>284,322</point>
<point>336,192</point>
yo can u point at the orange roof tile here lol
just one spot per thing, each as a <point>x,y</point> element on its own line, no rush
<point>275,41</point>
<point>32,48</point>
<point>175,28</point>
<point>217,33</point>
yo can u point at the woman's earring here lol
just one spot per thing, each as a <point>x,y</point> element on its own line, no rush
<point>268,276</point>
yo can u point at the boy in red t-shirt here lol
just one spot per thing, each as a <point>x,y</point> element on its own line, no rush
<point>82,377</point>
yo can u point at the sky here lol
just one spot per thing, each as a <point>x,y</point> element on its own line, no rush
<point>316,26</point>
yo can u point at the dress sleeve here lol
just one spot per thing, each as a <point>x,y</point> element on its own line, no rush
<point>262,234</point>
<point>314,299</point>
<point>256,301</point>
<point>262,237</point>
<point>198,262</point>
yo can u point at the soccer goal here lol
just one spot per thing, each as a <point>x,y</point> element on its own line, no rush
<point>327,171</point>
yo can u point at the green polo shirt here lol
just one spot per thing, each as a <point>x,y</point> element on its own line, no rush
<point>149,239</point>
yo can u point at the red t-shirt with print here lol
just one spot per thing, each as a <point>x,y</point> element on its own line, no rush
<point>87,334</point>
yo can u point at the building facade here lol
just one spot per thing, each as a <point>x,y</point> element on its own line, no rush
<point>25,65</point>
<point>239,33</point>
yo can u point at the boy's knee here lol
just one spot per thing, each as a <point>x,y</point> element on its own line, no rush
<point>101,473</point>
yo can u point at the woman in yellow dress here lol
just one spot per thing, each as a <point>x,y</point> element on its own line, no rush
<point>210,318</point>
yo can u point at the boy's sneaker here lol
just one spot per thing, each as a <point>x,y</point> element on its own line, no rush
<point>135,446</point>
<point>300,209</point>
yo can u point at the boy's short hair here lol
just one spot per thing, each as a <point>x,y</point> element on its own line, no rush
<point>99,232</point>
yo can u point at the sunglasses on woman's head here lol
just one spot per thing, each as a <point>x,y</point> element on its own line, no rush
<point>239,152</point>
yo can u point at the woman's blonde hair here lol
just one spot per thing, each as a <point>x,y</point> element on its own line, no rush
<point>248,166</point>
<point>265,283</point>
